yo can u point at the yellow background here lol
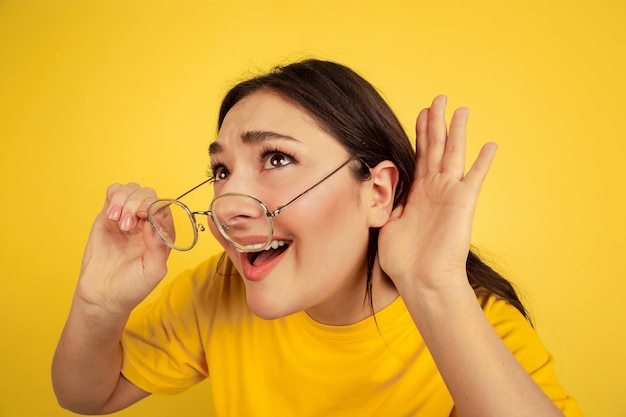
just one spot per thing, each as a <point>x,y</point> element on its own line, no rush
<point>95,92</point>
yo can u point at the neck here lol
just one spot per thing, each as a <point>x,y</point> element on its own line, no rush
<point>352,305</point>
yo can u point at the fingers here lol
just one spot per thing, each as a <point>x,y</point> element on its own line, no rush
<point>478,172</point>
<point>156,253</point>
<point>437,132</point>
<point>437,150</point>
<point>421,143</point>
<point>454,156</point>
<point>127,204</point>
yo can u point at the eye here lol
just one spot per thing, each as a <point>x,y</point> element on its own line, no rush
<point>219,172</point>
<point>276,159</point>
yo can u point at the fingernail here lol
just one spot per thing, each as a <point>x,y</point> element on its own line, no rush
<point>126,222</point>
<point>115,212</point>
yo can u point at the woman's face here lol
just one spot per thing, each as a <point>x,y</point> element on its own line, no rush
<point>273,150</point>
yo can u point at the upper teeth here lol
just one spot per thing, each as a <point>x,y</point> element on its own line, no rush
<point>275,244</point>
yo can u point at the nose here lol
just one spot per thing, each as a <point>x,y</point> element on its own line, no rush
<point>241,218</point>
<point>234,209</point>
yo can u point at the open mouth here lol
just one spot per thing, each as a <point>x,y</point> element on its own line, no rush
<point>275,249</point>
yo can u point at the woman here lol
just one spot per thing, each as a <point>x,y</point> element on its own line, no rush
<point>347,286</point>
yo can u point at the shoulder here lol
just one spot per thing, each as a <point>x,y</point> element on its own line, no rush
<point>212,273</point>
<point>210,283</point>
<point>514,329</point>
<point>516,332</point>
<point>200,293</point>
<point>520,337</point>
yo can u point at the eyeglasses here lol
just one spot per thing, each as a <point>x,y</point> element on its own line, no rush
<point>244,220</point>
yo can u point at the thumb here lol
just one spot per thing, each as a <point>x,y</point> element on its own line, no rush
<point>156,254</point>
<point>397,212</point>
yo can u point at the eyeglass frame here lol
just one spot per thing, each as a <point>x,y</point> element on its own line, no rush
<point>209,213</point>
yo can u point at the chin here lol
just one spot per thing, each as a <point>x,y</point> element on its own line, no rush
<point>268,308</point>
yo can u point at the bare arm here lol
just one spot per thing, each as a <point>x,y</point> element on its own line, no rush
<point>424,247</point>
<point>122,264</point>
<point>86,366</point>
<point>483,376</point>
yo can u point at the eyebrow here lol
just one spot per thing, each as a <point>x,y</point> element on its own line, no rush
<point>252,137</point>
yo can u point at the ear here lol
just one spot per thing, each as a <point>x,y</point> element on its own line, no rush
<point>381,192</point>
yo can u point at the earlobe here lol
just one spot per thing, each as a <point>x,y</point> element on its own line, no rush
<point>384,179</point>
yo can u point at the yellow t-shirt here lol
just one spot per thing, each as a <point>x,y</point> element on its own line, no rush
<point>201,327</point>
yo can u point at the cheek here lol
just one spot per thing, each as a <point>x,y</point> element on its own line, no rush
<point>337,249</point>
<point>331,226</point>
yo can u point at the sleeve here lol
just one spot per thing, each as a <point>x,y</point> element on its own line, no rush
<point>522,340</point>
<point>163,341</point>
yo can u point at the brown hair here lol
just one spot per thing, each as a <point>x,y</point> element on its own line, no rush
<point>351,110</point>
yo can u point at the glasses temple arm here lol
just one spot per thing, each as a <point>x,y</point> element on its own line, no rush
<point>197,186</point>
<point>298,197</point>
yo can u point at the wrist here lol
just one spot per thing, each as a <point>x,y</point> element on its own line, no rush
<point>434,284</point>
<point>438,300</point>
<point>98,313</point>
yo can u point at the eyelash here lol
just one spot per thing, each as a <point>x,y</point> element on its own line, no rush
<point>264,155</point>
<point>268,151</point>
<point>211,172</point>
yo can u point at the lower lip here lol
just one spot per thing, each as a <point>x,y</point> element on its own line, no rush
<point>258,272</point>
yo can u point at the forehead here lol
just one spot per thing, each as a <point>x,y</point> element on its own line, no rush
<point>263,115</point>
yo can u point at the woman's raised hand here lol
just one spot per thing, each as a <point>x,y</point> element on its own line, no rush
<point>427,238</point>
<point>124,259</point>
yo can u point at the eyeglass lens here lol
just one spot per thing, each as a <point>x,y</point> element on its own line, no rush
<point>173,223</point>
<point>243,220</point>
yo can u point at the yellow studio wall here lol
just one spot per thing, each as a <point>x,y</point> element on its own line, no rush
<point>115,91</point>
